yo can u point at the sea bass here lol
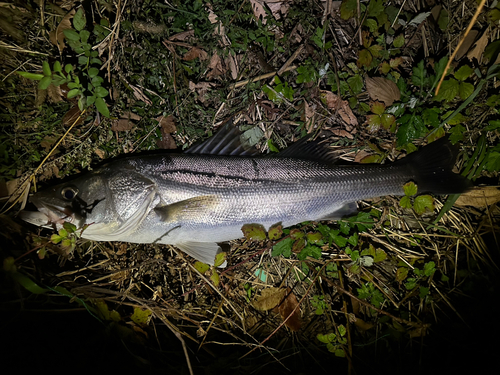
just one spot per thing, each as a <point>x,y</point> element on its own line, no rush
<point>204,196</point>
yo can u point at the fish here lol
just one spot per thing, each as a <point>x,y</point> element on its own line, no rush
<point>202,197</point>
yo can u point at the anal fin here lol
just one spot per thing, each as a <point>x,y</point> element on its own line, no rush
<point>203,251</point>
<point>348,209</point>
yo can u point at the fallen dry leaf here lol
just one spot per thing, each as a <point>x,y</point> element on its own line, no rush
<point>334,102</point>
<point>195,53</point>
<point>286,308</point>
<point>182,36</point>
<point>477,51</point>
<point>121,125</point>
<point>71,116</point>
<point>100,153</point>
<point>467,44</point>
<point>201,88</point>
<point>167,127</point>
<point>269,299</point>
<point>382,89</point>
<point>57,36</point>
<point>479,197</point>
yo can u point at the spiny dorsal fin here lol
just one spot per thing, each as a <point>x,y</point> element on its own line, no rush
<point>227,141</point>
<point>313,150</point>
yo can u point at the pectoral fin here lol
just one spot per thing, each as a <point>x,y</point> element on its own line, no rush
<point>347,209</point>
<point>189,209</point>
<point>203,251</point>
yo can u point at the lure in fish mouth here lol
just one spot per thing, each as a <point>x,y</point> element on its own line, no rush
<point>204,196</point>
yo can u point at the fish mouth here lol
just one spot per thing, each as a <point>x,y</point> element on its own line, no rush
<point>48,215</point>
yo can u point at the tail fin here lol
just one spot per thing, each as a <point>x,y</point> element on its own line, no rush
<point>432,168</point>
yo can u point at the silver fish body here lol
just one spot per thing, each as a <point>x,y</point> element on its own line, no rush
<point>195,201</point>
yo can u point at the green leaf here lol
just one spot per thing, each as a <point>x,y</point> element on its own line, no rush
<point>411,283</point>
<point>82,60</point>
<point>57,67</point>
<point>448,91</point>
<point>399,41</point>
<point>424,292</point>
<point>401,274</point>
<point>443,19</point>
<point>365,58</point>
<point>375,7</point>
<point>271,146</point>
<point>355,83</point>
<point>46,69</point>
<point>33,76</point>
<point>412,127</point>
<point>493,161</point>
<point>72,93</point>
<point>410,189</point>
<point>102,107</point>
<point>283,247</point>
<point>101,92</point>
<point>429,268</point>
<point>371,24</point>
<point>348,9</point>
<point>84,36</point>
<point>79,20</point>
<point>68,68</point>
<point>493,125</point>
<point>215,278</point>
<point>463,73</point>
<point>141,316</point>
<point>201,267</point>
<point>422,202</point>
<point>44,83</point>
<point>275,232</point>
<point>69,227</point>
<point>27,283</point>
<point>220,258</point>
<point>419,76</point>
<point>71,34</point>
<point>457,133</point>
<point>93,72</point>
<point>405,202</point>
<point>465,90</point>
<point>255,232</point>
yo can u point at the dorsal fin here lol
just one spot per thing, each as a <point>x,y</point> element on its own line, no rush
<point>312,150</point>
<point>227,141</point>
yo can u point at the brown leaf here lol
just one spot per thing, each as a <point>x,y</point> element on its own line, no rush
<point>477,51</point>
<point>195,53</point>
<point>334,102</point>
<point>182,36</point>
<point>361,324</point>
<point>215,66</point>
<point>70,117</point>
<point>201,88</point>
<point>167,127</point>
<point>100,153</point>
<point>382,89</point>
<point>121,125</point>
<point>467,44</point>
<point>167,124</point>
<point>269,299</point>
<point>287,308</point>
<point>479,197</point>
<point>57,36</point>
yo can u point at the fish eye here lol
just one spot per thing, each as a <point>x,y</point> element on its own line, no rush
<point>69,193</point>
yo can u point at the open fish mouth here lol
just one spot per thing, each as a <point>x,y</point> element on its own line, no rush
<point>48,215</point>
